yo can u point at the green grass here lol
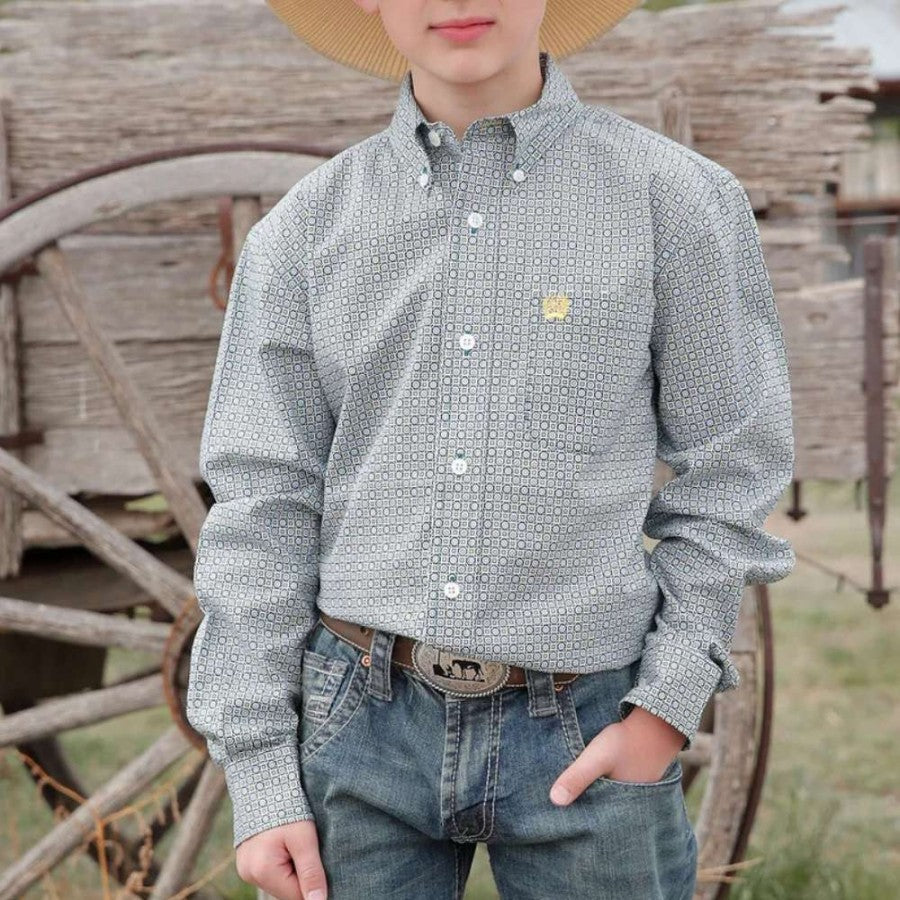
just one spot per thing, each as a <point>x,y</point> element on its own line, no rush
<point>828,827</point>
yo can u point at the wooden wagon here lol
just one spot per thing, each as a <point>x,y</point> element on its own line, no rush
<point>116,260</point>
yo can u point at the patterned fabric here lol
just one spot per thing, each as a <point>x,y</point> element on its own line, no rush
<point>445,370</point>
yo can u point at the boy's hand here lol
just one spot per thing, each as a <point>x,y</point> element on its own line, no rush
<point>284,862</point>
<point>639,748</point>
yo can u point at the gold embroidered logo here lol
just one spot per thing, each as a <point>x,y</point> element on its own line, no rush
<point>555,306</point>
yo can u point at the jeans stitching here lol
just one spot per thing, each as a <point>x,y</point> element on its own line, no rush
<point>569,722</point>
<point>456,706</point>
<point>495,775</point>
<point>490,788</point>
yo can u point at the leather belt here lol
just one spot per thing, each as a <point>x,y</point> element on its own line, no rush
<point>446,670</point>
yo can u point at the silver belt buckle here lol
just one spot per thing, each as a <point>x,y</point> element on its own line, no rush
<point>458,675</point>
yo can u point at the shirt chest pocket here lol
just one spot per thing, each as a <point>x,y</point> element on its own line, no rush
<point>567,364</point>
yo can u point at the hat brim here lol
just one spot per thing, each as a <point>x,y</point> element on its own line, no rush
<point>341,31</point>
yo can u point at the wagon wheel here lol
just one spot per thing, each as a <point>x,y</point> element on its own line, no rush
<point>30,230</point>
<point>730,750</point>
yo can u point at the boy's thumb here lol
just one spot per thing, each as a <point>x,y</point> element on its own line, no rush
<point>302,843</point>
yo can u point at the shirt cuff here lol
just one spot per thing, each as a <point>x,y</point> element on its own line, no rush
<point>675,683</point>
<point>265,790</point>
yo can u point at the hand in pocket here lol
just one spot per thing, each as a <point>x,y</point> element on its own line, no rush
<point>620,753</point>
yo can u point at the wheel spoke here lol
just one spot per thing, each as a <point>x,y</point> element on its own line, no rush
<point>192,833</point>
<point>81,626</point>
<point>137,414</point>
<point>116,793</point>
<point>79,709</point>
<point>169,587</point>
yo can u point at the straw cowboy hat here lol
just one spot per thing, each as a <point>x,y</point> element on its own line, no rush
<point>340,30</point>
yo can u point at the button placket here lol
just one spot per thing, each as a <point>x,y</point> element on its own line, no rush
<point>445,203</point>
<point>456,512</point>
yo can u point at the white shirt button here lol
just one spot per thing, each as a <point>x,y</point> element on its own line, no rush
<point>434,138</point>
<point>459,465</point>
<point>518,175</point>
<point>423,178</point>
<point>467,341</point>
<point>451,589</point>
<point>476,220</point>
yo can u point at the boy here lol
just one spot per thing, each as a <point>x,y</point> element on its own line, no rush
<point>450,356</point>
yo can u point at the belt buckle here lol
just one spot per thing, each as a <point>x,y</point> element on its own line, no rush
<point>458,675</point>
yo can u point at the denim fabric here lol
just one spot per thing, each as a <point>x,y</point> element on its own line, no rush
<point>404,781</point>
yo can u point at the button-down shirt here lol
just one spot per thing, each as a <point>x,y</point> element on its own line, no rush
<point>445,370</point>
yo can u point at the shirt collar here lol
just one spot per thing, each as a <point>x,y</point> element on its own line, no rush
<point>535,126</point>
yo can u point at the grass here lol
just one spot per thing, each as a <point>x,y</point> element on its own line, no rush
<point>828,827</point>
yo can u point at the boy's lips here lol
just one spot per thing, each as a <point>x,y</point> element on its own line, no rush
<point>463,29</point>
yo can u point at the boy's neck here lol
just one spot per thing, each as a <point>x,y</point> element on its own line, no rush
<point>458,104</point>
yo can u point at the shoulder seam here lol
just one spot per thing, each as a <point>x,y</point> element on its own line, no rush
<point>722,179</point>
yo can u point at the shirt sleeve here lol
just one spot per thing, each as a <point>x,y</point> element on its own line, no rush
<point>724,425</point>
<point>265,442</point>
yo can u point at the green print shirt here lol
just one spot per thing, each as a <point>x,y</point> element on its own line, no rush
<point>445,370</point>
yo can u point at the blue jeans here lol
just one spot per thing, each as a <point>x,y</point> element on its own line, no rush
<point>404,780</point>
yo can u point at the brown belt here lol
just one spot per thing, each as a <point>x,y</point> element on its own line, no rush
<point>446,670</point>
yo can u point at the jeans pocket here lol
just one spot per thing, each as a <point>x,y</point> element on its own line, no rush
<point>332,688</point>
<point>670,777</point>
